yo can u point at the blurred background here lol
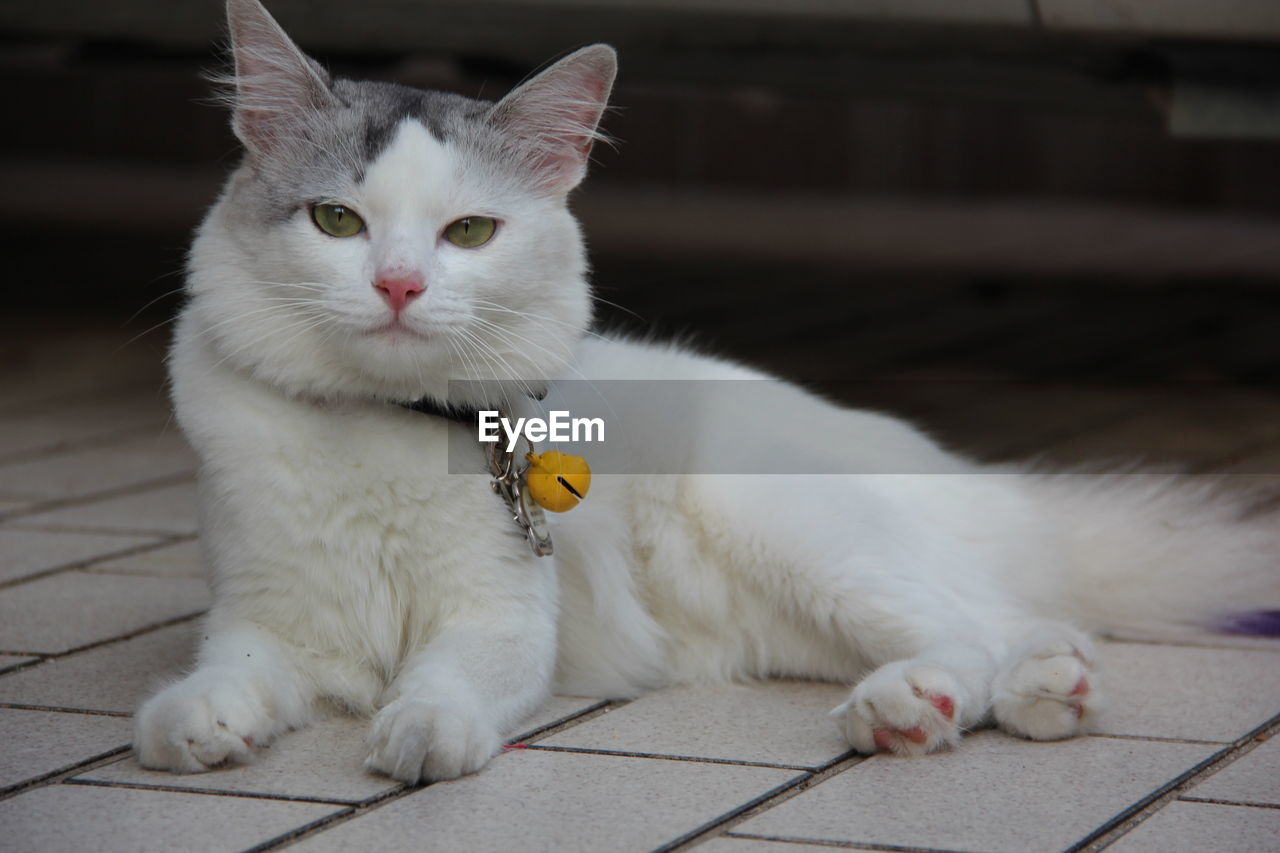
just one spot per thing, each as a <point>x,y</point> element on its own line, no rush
<point>924,205</point>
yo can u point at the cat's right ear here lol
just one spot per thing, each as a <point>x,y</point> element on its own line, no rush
<point>276,84</point>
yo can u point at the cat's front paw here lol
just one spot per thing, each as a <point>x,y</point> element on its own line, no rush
<point>200,723</point>
<point>1048,692</point>
<point>906,708</point>
<point>417,740</point>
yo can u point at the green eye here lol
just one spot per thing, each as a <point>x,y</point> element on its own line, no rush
<point>470,231</point>
<point>337,220</point>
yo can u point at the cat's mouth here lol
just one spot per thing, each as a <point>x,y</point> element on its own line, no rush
<point>397,329</point>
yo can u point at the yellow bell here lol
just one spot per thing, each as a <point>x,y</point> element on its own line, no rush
<point>557,481</point>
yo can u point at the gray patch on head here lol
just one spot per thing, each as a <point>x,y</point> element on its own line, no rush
<point>333,147</point>
<point>386,105</point>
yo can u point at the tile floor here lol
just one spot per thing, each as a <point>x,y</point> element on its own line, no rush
<point>101,593</point>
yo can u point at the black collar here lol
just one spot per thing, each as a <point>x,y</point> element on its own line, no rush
<point>430,406</point>
<point>458,414</point>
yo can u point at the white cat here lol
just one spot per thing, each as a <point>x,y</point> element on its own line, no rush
<point>378,241</point>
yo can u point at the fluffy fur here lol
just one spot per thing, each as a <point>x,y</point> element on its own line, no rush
<point>351,570</point>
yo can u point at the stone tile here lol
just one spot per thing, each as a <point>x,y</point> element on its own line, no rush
<point>65,611</point>
<point>8,662</point>
<point>52,361</point>
<point>539,800</point>
<point>1254,778</point>
<point>40,742</point>
<point>994,793</point>
<point>1211,641</point>
<point>556,709</point>
<point>26,552</point>
<point>87,471</point>
<point>171,509</point>
<point>1226,19</point>
<point>115,677</point>
<point>323,762</point>
<point>1187,692</point>
<point>1203,827</point>
<point>181,559</point>
<point>78,421</point>
<point>118,819</point>
<point>776,722</point>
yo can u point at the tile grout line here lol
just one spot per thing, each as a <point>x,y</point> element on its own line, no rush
<point>1207,644</point>
<point>105,494</point>
<point>374,803</point>
<point>1128,819</point>
<point>1217,802</point>
<point>584,750</point>
<point>1156,739</point>
<point>64,399</point>
<point>309,829</point>
<point>54,709</point>
<point>842,845</point>
<point>89,529</point>
<point>18,667</point>
<point>132,551</point>
<point>54,777</point>
<point>106,439</point>
<point>599,709</point>
<point>208,792</point>
<point>709,828</point>
<point>780,794</point>
<point>46,657</point>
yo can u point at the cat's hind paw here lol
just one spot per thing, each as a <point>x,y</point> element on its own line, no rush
<point>416,740</point>
<point>199,724</point>
<point>905,708</point>
<point>1048,693</point>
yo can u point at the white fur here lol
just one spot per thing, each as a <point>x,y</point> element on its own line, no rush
<point>350,569</point>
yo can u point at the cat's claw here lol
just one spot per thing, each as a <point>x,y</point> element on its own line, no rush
<point>199,724</point>
<point>904,708</point>
<point>1048,693</point>
<point>416,740</point>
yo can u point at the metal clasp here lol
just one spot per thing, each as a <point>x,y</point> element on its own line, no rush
<point>508,482</point>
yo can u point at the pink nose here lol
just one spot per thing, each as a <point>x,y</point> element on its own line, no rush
<point>397,291</point>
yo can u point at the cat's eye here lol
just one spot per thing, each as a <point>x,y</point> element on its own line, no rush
<point>470,231</point>
<point>337,220</point>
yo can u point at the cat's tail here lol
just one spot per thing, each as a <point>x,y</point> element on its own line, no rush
<point>1164,553</point>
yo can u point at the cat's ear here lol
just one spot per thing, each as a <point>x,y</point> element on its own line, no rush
<point>553,118</point>
<point>276,84</point>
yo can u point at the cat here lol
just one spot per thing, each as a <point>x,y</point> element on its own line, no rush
<point>377,241</point>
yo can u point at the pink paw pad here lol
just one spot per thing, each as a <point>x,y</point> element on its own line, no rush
<point>1081,689</point>
<point>884,738</point>
<point>946,707</point>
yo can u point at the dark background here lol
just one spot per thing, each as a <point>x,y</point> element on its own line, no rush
<point>1063,192</point>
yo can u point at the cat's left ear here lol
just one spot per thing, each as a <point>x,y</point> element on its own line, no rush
<point>553,119</point>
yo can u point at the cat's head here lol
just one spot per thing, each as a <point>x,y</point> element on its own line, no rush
<point>378,240</point>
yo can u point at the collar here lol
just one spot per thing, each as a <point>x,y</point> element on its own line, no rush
<point>507,475</point>
<point>466,415</point>
<point>430,406</point>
